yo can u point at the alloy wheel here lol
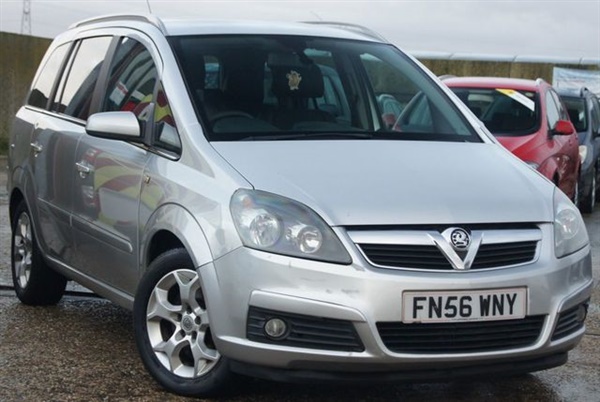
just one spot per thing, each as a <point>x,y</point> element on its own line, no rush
<point>178,325</point>
<point>23,250</point>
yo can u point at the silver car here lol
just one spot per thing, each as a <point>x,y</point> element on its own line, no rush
<point>238,187</point>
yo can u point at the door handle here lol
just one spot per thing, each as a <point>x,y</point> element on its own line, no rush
<point>37,148</point>
<point>83,168</point>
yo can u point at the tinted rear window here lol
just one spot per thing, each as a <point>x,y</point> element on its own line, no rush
<point>74,95</point>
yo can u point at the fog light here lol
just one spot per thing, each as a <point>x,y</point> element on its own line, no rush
<point>275,328</point>
<point>581,313</point>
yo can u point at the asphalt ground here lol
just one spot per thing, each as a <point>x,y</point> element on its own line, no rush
<point>83,350</point>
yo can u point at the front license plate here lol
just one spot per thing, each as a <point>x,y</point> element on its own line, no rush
<point>471,305</point>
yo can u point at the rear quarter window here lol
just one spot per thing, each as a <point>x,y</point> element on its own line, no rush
<point>42,87</point>
<point>74,95</point>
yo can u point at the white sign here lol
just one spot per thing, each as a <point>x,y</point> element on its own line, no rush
<point>567,78</point>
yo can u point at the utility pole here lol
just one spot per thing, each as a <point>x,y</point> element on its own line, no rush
<point>26,18</point>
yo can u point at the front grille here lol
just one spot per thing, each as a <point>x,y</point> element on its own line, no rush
<point>463,337</point>
<point>430,257</point>
<point>405,256</point>
<point>500,255</point>
<point>567,323</point>
<point>305,331</point>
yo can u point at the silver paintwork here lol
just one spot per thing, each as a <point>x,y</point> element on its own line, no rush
<point>348,183</point>
<point>366,296</point>
<point>418,188</point>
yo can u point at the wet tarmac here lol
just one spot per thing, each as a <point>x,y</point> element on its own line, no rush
<point>83,350</point>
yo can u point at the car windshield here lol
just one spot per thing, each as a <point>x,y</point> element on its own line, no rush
<point>576,109</point>
<point>504,111</point>
<point>250,87</point>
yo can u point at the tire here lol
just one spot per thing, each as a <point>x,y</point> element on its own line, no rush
<point>589,200</point>
<point>172,329</point>
<point>35,283</point>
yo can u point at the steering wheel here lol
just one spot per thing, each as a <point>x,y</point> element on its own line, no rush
<point>230,113</point>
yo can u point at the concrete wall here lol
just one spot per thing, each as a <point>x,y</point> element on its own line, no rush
<point>20,56</point>
<point>498,68</point>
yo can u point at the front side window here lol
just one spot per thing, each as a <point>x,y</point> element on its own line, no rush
<point>504,111</point>
<point>577,113</point>
<point>133,86</point>
<point>131,80</point>
<point>251,87</point>
<point>75,94</point>
<point>40,93</point>
<point>552,111</point>
<point>562,111</point>
<point>165,130</point>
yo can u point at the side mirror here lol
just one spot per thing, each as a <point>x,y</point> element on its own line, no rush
<point>563,127</point>
<point>122,126</point>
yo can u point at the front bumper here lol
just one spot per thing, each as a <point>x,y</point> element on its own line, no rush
<point>365,296</point>
<point>439,372</point>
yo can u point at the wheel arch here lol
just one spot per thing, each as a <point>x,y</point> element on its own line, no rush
<point>20,190</point>
<point>172,226</point>
<point>549,168</point>
<point>15,199</point>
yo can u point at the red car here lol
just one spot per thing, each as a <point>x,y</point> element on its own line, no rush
<point>528,118</point>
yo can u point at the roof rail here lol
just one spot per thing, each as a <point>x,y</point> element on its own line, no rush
<point>149,18</point>
<point>446,76</point>
<point>350,27</point>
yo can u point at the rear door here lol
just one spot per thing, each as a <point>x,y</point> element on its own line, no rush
<point>31,127</point>
<point>55,137</point>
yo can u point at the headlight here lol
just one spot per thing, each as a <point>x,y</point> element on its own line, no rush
<point>570,234</point>
<point>583,151</point>
<point>279,225</point>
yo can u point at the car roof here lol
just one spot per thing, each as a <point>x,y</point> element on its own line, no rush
<point>196,26</point>
<point>493,82</point>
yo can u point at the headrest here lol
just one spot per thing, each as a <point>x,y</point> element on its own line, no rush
<point>297,81</point>
<point>244,82</point>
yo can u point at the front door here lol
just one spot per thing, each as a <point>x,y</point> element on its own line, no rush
<point>109,175</point>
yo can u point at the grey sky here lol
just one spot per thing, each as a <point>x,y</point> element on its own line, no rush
<point>561,29</point>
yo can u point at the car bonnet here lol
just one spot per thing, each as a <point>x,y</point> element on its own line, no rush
<point>396,182</point>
